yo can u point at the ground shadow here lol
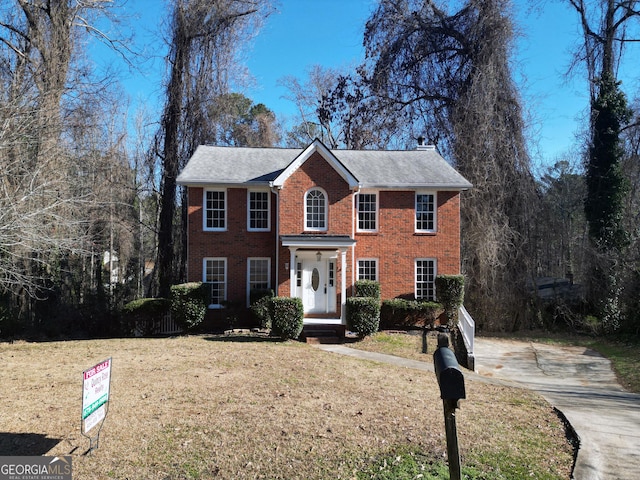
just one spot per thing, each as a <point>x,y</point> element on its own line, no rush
<point>25,444</point>
<point>240,338</point>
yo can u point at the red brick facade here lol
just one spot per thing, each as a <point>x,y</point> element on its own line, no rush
<point>396,245</point>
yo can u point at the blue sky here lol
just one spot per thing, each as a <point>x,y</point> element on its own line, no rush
<point>303,33</point>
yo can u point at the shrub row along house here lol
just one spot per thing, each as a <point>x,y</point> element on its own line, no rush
<point>310,223</point>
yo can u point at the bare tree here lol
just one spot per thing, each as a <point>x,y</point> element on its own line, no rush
<point>311,100</point>
<point>449,72</point>
<point>206,36</point>
<point>52,154</point>
<point>342,111</point>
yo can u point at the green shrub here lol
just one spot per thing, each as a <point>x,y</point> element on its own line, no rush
<point>367,288</point>
<point>141,316</point>
<point>260,306</point>
<point>287,315</point>
<point>401,313</point>
<point>363,315</point>
<point>450,292</point>
<point>188,304</point>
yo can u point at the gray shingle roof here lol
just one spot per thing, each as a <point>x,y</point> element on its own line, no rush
<point>229,166</point>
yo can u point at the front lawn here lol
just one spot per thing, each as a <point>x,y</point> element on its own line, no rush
<point>202,407</point>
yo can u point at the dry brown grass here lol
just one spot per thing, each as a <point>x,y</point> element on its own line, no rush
<point>251,407</point>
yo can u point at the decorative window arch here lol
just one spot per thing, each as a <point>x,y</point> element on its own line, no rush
<point>315,212</point>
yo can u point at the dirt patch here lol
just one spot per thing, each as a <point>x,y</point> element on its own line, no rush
<point>252,407</point>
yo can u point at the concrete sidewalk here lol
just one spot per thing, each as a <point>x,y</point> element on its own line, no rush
<point>575,380</point>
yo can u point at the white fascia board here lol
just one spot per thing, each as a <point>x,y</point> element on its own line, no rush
<point>316,146</point>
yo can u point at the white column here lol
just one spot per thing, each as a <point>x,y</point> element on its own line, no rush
<point>292,271</point>
<point>343,286</point>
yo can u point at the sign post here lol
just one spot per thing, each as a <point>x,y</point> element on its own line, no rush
<point>95,400</point>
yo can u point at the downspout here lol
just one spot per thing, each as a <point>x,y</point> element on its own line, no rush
<point>354,220</point>
<point>276,192</point>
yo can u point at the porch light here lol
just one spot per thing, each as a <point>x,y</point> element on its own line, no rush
<point>318,256</point>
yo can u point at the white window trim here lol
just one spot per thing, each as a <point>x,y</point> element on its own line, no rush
<point>326,211</point>
<point>415,276</point>
<point>226,278</point>
<point>204,210</point>
<point>375,260</point>
<point>268,259</point>
<point>435,211</point>
<point>249,228</point>
<point>377,219</point>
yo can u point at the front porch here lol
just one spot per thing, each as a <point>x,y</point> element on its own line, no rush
<point>318,276</point>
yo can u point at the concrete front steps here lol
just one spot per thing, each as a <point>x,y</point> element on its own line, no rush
<point>323,333</point>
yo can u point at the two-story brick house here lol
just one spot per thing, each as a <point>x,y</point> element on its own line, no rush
<point>309,223</point>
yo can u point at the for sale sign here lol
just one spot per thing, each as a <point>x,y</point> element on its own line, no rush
<point>95,393</point>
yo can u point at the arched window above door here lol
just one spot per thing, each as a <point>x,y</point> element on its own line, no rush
<point>315,214</point>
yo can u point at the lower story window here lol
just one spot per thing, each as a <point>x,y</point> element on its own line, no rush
<point>215,277</point>
<point>259,275</point>
<point>368,269</point>
<point>426,279</point>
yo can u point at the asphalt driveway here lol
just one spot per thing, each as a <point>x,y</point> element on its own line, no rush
<point>580,383</point>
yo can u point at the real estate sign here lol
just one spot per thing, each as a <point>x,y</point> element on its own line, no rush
<point>95,393</point>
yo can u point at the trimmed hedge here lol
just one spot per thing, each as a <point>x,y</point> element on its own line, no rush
<point>188,304</point>
<point>367,288</point>
<point>363,315</point>
<point>260,306</point>
<point>401,313</point>
<point>287,315</point>
<point>450,292</point>
<point>141,316</point>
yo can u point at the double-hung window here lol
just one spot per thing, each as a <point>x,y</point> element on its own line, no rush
<point>215,277</point>
<point>425,212</point>
<point>258,217</point>
<point>215,210</point>
<point>367,206</point>
<point>368,269</point>
<point>426,279</point>
<point>315,215</point>
<point>259,275</point>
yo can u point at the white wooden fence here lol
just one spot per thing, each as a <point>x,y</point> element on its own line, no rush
<point>165,326</point>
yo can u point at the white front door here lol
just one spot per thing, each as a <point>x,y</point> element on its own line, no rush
<point>318,285</point>
<point>314,286</point>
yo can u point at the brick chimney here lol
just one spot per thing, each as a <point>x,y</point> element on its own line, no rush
<point>424,146</point>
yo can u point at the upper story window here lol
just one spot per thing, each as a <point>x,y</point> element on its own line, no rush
<point>315,214</point>
<point>425,212</point>
<point>215,210</point>
<point>258,217</point>
<point>367,206</point>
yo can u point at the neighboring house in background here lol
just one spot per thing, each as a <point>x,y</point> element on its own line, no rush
<point>309,223</point>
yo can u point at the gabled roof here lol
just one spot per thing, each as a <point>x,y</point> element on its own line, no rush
<point>316,146</point>
<point>247,166</point>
